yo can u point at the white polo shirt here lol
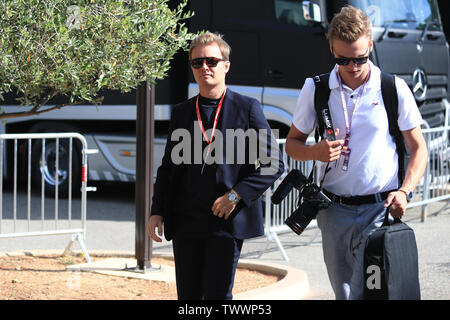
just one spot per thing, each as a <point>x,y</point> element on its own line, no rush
<point>373,163</point>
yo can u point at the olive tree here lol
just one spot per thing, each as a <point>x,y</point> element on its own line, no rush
<point>74,49</point>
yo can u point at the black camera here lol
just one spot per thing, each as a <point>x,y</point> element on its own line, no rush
<point>311,200</point>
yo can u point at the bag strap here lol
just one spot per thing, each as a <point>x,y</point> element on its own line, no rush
<point>390,99</point>
<point>321,97</point>
<point>386,218</point>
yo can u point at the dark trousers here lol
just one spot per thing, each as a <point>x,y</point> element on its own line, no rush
<point>205,267</point>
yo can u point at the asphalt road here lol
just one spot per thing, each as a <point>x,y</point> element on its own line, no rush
<point>110,226</point>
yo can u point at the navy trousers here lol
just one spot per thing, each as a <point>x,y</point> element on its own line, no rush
<point>205,266</point>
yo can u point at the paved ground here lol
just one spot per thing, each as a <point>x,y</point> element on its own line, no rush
<point>110,226</point>
<point>433,241</point>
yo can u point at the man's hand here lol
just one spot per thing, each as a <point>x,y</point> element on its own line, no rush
<point>398,202</point>
<point>325,150</point>
<point>155,222</point>
<point>223,207</point>
<point>328,151</point>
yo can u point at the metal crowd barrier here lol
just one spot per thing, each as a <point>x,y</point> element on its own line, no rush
<point>16,216</point>
<point>433,187</point>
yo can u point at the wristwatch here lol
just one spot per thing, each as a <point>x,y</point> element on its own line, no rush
<point>233,197</point>
<point>408,193</point>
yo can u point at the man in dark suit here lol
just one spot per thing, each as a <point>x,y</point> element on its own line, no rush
<point>210,204</point>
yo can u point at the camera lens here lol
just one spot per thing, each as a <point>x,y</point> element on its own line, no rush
<point>294,226</point>
<point>300,218</point>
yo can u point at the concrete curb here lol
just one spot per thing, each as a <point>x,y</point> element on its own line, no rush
<point>293,286</point>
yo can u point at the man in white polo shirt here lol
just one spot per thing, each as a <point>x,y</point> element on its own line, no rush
<point>369,165</point>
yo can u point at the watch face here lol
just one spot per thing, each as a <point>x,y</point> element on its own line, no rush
<point>410,195</point>
<point>232,196</point>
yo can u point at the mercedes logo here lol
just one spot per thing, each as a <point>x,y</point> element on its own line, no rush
<point>420,84</point>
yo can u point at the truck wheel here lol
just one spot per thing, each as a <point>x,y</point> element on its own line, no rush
<point>48,169</point>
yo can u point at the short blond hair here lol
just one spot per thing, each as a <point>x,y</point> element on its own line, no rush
<point>349,25</point>
<point>208,38</point>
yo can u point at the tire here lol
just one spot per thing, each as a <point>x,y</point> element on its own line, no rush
<point>49,168</point>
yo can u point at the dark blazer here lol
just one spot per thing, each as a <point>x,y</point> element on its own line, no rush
<point>238,112</point>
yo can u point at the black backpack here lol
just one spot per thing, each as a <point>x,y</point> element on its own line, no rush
<point>390,99</point>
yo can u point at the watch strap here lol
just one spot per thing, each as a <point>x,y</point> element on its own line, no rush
<point>407,192</point>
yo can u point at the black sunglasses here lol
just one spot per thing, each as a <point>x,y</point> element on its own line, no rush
<point>343,61</point>
<point>211,62</point>
<point>346,61</point>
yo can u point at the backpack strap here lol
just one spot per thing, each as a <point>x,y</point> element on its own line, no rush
<point>321,97</point>
<point>390,99</point>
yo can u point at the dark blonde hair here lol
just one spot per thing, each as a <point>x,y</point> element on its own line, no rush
<point>208,38</point>
<point>349,25</point>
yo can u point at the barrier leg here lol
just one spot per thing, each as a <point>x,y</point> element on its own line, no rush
<point>272,236</point>
<point>78,237</point>
<point>83,248</point>
<point>280,246</point>
<point>445,207</point>
<point>67,250</point>
<point>261,252</point>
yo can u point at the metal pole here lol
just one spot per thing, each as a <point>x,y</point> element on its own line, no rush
<point>29,185</point>
<point>426,185</point>
<point>1,184</point>
<point>15,185</point>
<point>145,100</point>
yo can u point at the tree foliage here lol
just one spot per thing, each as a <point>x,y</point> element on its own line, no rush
<point>77,48</point>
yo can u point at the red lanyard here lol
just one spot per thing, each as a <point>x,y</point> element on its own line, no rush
<point>216,118</point>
